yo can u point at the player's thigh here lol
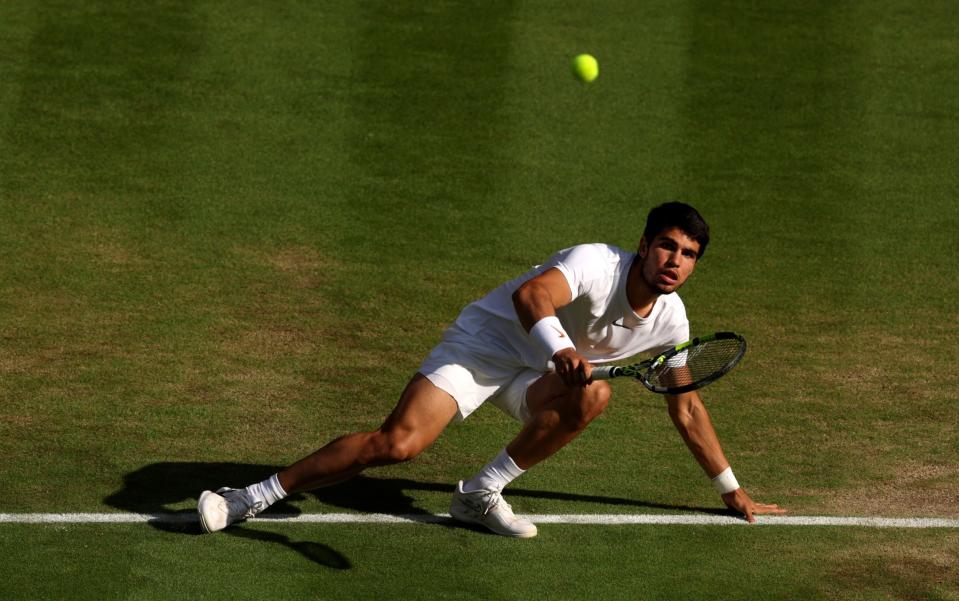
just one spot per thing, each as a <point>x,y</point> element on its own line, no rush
<point>421,415</point>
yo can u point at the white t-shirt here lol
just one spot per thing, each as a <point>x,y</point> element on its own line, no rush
<point>598,319</point>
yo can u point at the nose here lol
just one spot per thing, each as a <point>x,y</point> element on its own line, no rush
<point>672,259</point>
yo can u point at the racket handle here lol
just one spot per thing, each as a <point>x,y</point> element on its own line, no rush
<point>606,372</point>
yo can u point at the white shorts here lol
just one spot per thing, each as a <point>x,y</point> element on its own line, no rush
<point>472,376</point>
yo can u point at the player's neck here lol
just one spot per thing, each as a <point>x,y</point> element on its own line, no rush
<point>640,295</point>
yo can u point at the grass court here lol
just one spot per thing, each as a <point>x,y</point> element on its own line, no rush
<point>231,232</point>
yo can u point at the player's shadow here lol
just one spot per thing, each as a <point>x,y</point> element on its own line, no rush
<point>158,488</point>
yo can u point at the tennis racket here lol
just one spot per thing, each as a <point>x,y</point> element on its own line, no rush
<point>688,366</point>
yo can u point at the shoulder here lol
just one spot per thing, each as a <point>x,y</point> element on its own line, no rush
<point>588,268</point>
<point>670,327</point>
<point>673,311</point>
<point>595,254</point>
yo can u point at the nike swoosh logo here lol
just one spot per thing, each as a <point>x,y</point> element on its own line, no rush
<point>622,326</point>
<point>559,331</point>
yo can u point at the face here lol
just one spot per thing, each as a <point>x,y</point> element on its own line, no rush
<point>668,260</point>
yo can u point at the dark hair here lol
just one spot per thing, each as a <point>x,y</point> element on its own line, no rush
<point>681,215</point>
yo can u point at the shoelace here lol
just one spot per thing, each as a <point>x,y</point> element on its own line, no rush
<point>492,499</point>
<point>240,505</point>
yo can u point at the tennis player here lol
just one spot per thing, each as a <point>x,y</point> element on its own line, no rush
<point>528,348</point>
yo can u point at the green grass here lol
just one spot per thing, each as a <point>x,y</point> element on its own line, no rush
<point>208,210</point>
<point>82,562</point>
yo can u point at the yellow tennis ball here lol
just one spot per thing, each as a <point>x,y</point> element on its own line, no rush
<point>585,67</point>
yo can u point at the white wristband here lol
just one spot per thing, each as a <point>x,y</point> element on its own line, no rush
<point>550,335</point>
<point>725,482</point>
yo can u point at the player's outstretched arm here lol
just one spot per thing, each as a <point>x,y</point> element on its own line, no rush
<point>691,419</point>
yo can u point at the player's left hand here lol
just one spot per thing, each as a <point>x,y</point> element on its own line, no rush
<point>739,501</point>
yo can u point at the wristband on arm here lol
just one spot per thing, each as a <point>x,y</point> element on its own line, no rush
<point>725,482</point>
<point>549,335</point>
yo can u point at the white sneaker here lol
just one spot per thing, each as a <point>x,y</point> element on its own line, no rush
<point>227,505</point>
<point>488,508</point>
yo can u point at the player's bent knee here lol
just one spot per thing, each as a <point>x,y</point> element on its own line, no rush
<point>394,447</point>
<point>598,395</point>
<point>601,391</point>
<point>587,404</point>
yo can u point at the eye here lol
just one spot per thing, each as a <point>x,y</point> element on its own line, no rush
<point>689,254</point>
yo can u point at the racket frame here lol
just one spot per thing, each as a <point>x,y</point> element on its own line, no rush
<point>644,369</point>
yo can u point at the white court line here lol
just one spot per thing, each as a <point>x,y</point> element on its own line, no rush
<point>426,518</point>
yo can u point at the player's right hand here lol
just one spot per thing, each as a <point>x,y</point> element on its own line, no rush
<point>572,367</point>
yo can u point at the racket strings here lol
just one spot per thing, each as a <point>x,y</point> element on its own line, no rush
<point>700,362</point>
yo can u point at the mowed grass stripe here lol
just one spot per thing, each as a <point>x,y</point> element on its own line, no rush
<point>428,518</point>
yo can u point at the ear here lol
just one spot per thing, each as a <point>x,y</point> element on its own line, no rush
<point>643,248</point>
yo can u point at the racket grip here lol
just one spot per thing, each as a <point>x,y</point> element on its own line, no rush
<point>605,372</point>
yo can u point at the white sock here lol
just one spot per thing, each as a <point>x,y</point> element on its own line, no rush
<point>495,475</point>
<point>267,492</point>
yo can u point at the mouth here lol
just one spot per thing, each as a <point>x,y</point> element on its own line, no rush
<point>670,277</point>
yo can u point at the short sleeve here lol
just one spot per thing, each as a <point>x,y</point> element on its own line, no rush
<point>582,266</point>
<point>680,333</point>
<point>675,324</point>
